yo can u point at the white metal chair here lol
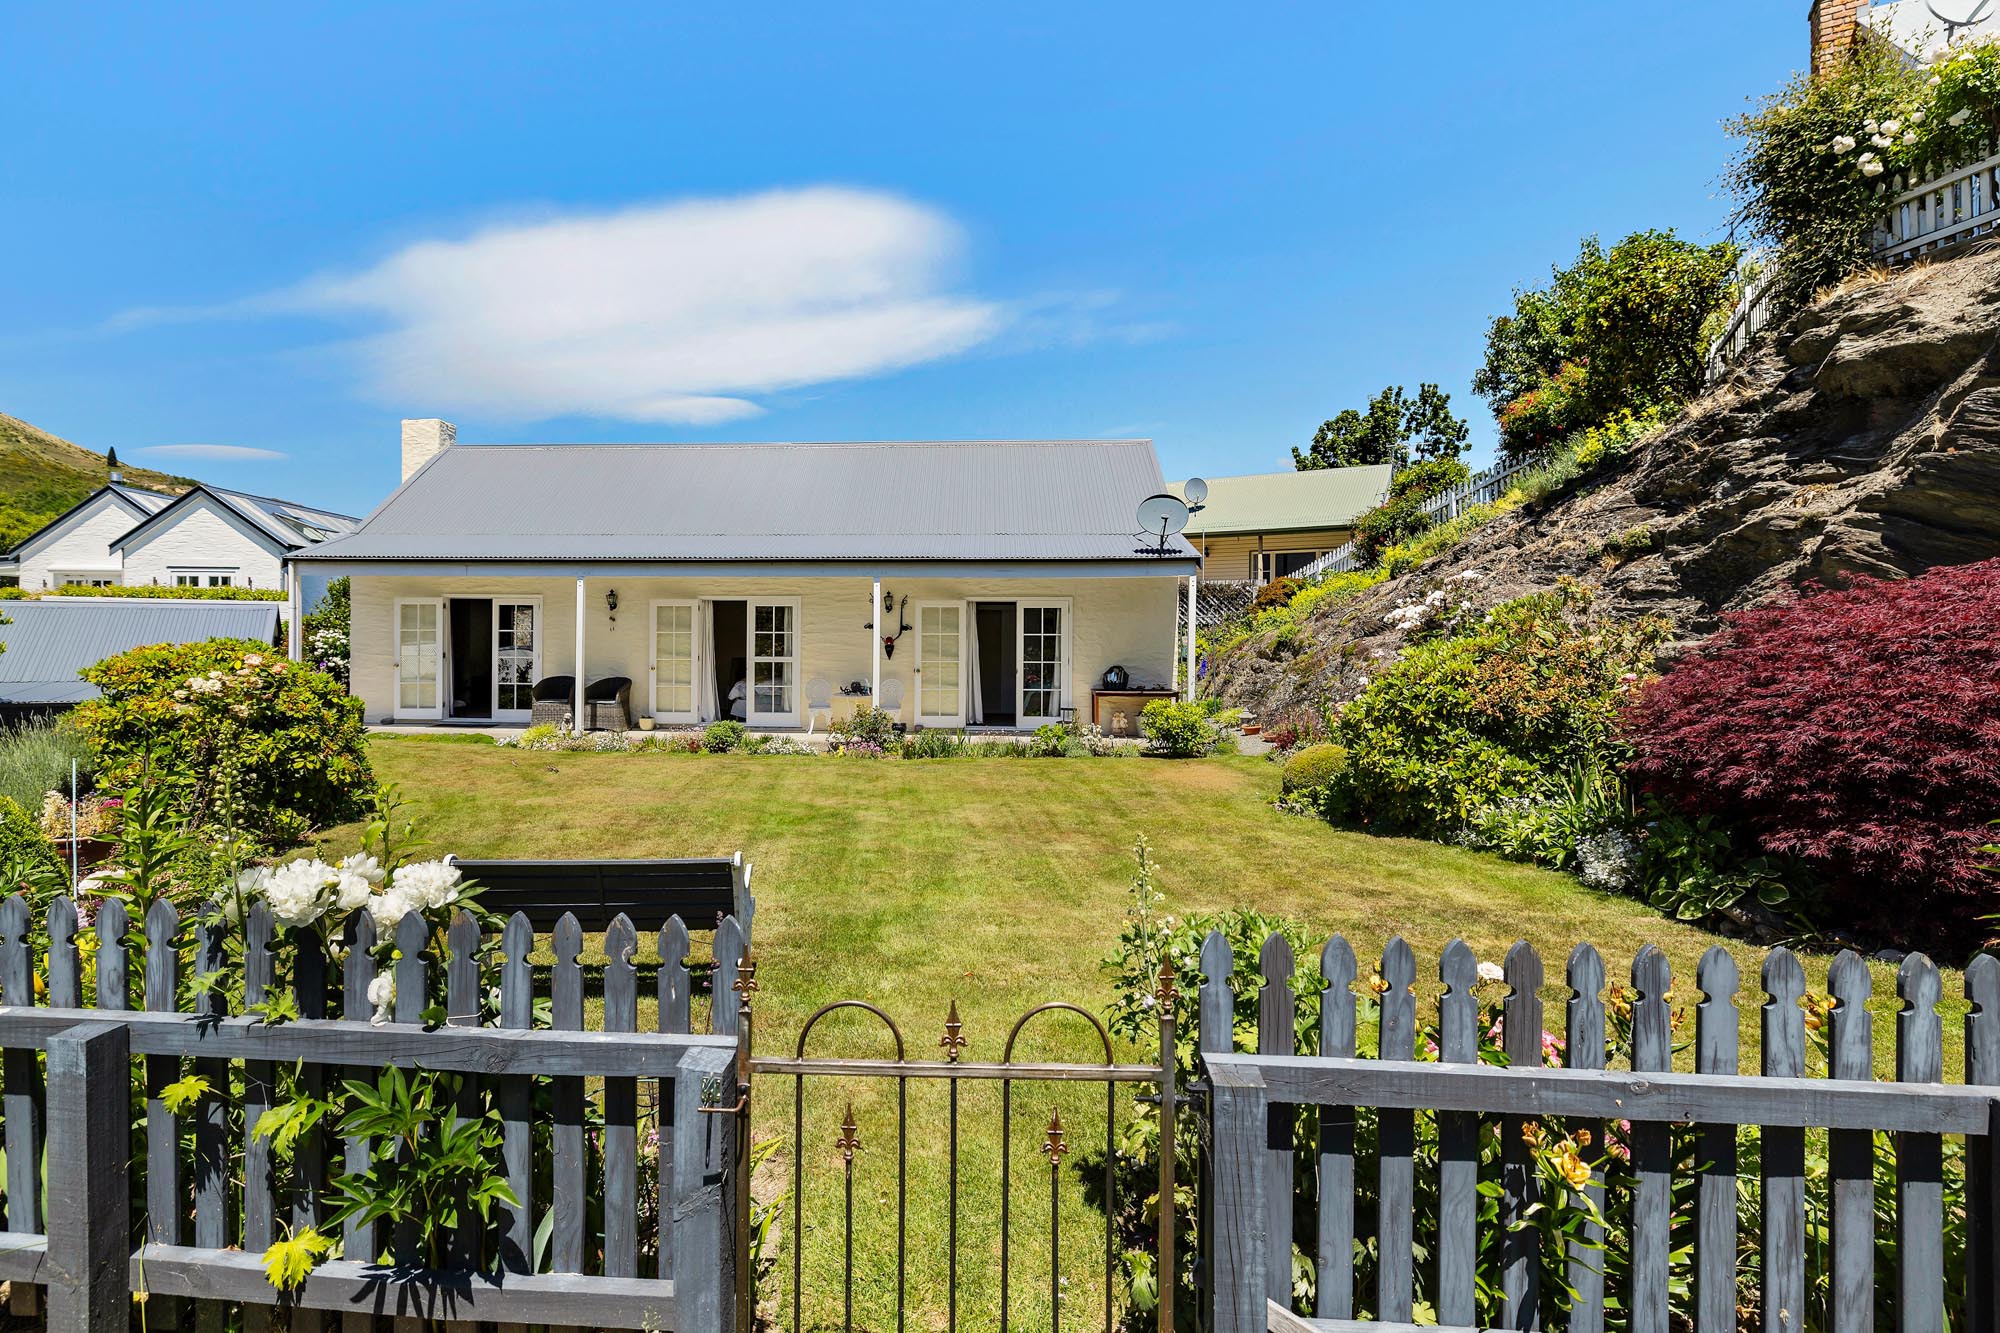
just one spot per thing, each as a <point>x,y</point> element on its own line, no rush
<point>891,701</point>
<point>819,701</point>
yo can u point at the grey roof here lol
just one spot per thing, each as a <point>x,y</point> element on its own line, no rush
<point>1065,500</point>
<point>141,502</point>
<point>287,524</point>
<point>150,501</point>
<point>1289,501</point>
<point>53,638</point>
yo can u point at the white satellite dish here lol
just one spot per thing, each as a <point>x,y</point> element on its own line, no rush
<point>1195,491</point>
<point>1160,517</point>
<point>1956,14</point>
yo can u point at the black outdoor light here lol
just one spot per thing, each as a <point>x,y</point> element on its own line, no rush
<point>611,603</point>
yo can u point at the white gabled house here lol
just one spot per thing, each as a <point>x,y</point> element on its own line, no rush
<point>974,583</point>
<point>209,537</point>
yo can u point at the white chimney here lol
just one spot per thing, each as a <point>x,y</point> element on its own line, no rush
<point>425,438</point>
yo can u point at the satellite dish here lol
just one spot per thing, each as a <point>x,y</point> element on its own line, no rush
<point>1956,14</point>
<point>1161,516</point>
<point>1196,491</point>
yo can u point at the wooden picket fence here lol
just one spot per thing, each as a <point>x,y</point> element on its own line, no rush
<point>203,1229</point>
<point>1247,1229</point>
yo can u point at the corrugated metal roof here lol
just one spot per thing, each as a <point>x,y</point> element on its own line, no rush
<point>152,502</point>
<point>52,639</point>
<point>1289,501</point>
<point>285,523</point>
<point>922,500</point>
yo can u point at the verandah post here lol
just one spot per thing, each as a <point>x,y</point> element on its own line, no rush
<point>89,1219</point>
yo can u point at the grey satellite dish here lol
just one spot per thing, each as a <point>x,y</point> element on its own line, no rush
<point>1196,491</point>
<point>1956,14</point>
<point>1160,517</point>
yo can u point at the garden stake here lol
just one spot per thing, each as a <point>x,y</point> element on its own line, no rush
<point>1166,1272</point>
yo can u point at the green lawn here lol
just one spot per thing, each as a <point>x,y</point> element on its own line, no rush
<point>998,884</point>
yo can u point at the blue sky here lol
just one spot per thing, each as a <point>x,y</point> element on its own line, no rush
<point>283,228</point>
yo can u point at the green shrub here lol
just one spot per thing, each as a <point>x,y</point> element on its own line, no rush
<point>1469,720</point>
<point>1050,741</point>
<point>35,758</point>
<point>1401,516</point>
<point>933,743</point>
<point>1312,767</point>
<point>868,725</point>
<point>172,593</point>
<point>235,732</point>
<point>1278,592</point>
<point>26,857</point>
<point>1179,730</point>
<point>724,736</point>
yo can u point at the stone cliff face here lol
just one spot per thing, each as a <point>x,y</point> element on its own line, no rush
<point>1863,437</point>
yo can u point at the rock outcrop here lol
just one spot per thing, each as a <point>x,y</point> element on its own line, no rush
<point>1862,437</point>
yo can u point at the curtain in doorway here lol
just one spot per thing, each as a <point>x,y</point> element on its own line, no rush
<point>704,661</point>
<point>975,699</point>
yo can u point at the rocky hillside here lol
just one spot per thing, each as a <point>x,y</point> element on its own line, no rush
<point>1862,437</point>
<point>41,476</point>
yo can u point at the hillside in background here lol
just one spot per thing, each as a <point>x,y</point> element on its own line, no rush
<point>1861,437</point>
<point>41,476</point>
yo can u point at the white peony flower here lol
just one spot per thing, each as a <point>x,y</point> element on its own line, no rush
<point>1882,141</point>
<point>382,994</point>
<point>296,892</point>
<point>389,907</point>
<point>1869,124</point>
<point>1917,117</point>
<point>1843,143</point>
<point>351,891</point>
<point>430,884</point>
<point>364,865</point>
<point>1888,127</point>
<point>1492,972</point>
<point>1872,168</point>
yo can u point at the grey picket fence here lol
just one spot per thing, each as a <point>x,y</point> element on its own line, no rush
<point>192,1243</point>
<point>1247,1226</point>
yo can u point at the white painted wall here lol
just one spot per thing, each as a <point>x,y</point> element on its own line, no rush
<point>202,535</point>
<point>81,543</point>
<point>1124,621</point>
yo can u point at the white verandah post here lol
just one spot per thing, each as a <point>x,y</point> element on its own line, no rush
<point>295,608</point>
<point>875,645</point>
<point>576,702</point>
<point>1188,692</point>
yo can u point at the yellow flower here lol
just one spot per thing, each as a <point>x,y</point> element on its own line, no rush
<point>1377,985</point>
<point>1531,1133</point>
<point>1572,1167</point>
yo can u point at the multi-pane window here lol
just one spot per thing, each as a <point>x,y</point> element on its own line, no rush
<point>515,626</point>
<point>773,658</point>
<point>1041,661</point>
<point>417,655</point>
<point>673,659</point>
<point>204,579</point>
<point>940,631</point>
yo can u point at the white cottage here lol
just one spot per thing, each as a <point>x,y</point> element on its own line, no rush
<point>994,583</point>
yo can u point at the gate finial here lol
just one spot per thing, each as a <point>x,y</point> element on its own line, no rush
<point>1055,1148</point>
<point>849,1141</point>
<point>952,1041</point>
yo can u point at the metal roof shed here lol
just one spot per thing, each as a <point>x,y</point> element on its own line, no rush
<point>48,641</point>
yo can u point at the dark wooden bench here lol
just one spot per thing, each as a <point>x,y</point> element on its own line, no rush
<point>700,889</point>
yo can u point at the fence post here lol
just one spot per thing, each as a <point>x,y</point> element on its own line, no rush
<point>1240,1243</point>
<point>89,1219</point>
<point>704,1198</point>
<point>1215,1018</point>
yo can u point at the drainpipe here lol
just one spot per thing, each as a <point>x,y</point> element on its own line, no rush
<point>576,704</point>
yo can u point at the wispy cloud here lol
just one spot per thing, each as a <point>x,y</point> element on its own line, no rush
<point>222,453</point>
<point>678,312</point>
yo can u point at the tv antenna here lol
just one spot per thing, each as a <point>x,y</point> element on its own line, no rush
<point>1160,518</point>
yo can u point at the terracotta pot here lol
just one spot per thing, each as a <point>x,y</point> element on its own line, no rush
<point>89,851</point>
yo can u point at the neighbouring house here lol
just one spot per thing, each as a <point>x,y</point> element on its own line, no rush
<point>1911,26</point>
<point>969,583</point>
<point>49,640</point>
<point>1273,524</point>
<point>209,537</point>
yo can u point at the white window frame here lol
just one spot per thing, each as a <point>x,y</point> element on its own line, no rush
<point>204,576</point>
<point>541,636</point>
<point>695,663</point>
<point>750,660</point>
<point>443,659</point>
<point>1062,605</point>
<point>952,720</point>
<point>86,578</point>
<point>1267,562</point>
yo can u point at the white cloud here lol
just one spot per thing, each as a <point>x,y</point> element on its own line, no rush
<point>675,312</point>
<point>222,453</point>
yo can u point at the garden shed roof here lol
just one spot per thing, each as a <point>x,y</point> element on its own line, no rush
<point>51,639</point>
<point>1288,501</point>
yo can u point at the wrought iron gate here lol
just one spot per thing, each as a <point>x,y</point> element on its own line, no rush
<point>829,1158</point>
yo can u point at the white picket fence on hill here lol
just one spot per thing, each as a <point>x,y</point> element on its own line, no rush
<point>1478,489</point>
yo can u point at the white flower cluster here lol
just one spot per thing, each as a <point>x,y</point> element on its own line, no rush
<point>1435,610</point>
<point>300,892</point>
<point>1607,861</point>
<point>382,994</point>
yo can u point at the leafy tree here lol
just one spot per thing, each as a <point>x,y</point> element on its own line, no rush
<point>1622,329</point>
<point>1386,431</point>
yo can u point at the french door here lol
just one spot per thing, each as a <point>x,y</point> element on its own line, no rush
<point>674,661</point>
<point>941,664</point>
<point>419,657</point>
<point>1043,652</point>
<point>517,657</point>
<point>774,664</point>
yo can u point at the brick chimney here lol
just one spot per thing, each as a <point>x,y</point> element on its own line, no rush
<point>1835,28</point>
<point>424,438</point>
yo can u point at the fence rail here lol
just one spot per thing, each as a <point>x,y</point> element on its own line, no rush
<point>566,1100</point>
<point>1669,1126</point>
<point>1937,209</point>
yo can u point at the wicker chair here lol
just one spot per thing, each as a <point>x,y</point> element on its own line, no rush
<point>607,704</point>
<point>554,697</point>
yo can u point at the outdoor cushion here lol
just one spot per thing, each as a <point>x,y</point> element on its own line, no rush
<point>555,689</point>
<point>606,688</point>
